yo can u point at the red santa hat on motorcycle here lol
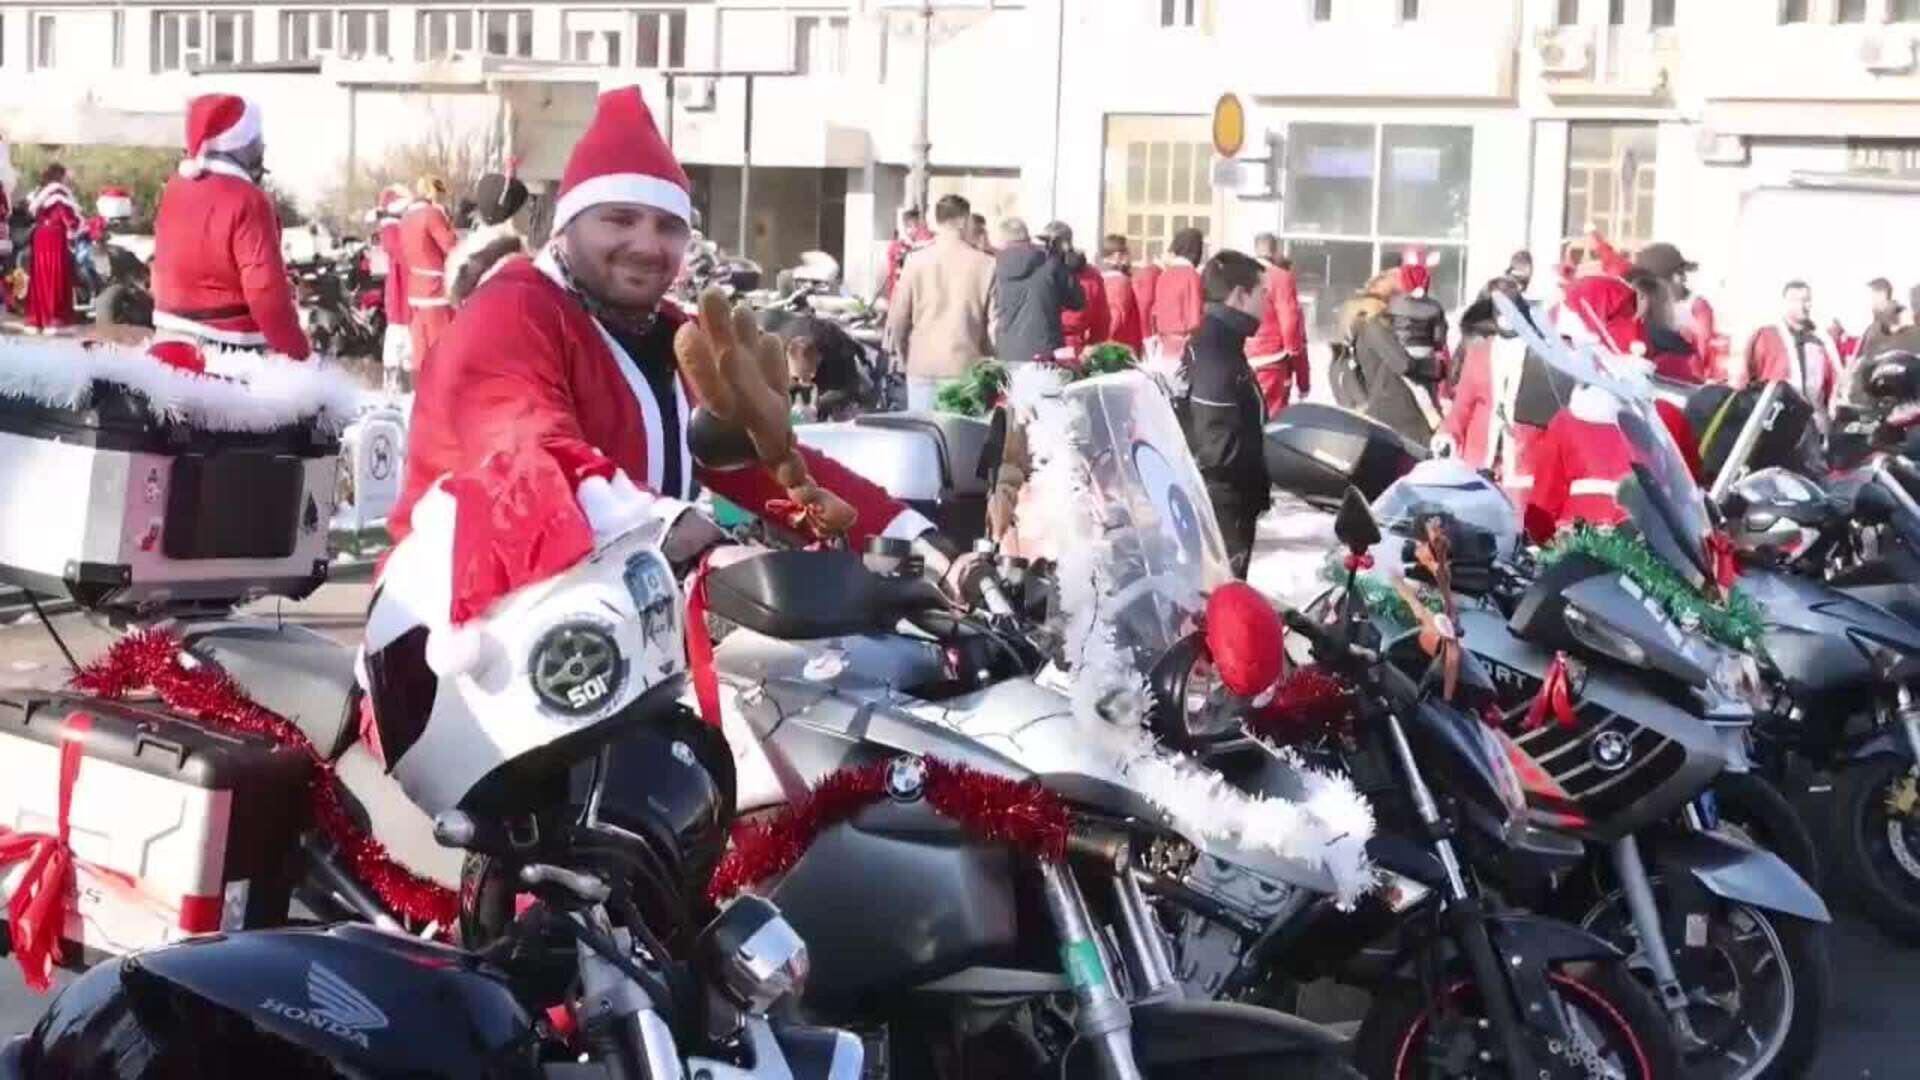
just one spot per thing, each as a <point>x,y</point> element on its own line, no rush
<point>218,123</point>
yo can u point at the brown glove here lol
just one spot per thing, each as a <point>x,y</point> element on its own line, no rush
<point>740,376</point>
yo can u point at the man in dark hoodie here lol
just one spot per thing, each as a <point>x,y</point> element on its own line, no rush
<point>1225,406</point>
<point>1034,283</point>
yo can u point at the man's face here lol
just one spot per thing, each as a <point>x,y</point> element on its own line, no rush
<point>1882,302</point>
<point>1248,301</point>
<point>624,254</point>
<point>803,360</point>
<point>1522,274</point>
<point>1799,306</point>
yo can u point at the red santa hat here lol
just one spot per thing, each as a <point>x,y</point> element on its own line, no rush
<point>1605,310</point>
<point>393,199</point>
<point>622,159</point>
<point>519,519</point>
<point>1416,270</point>
<point>218,123</point>
<point>113,203</point>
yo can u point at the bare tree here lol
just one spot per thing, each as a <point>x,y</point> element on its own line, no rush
<point>458,154</point>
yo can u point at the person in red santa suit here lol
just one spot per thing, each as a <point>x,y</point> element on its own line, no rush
<point>573,350</point>
<point>426,236</point>
<point>1091,323</point>
<point>1124,323</point>
<point>218,276</point>
<point>1146,283</point>
<point>1794,351</point>
<point>56,219</point>
<point>396,348</point>
<point>1278,350</point>
<point>911,236</point>
<point>1179,301</point>
<point>1689,314</point>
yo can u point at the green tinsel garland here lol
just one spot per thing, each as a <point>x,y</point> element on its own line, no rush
<point>973,394</point>
<point>1107,358</point>
<point>1381,600</point>
<point>1737,622</point>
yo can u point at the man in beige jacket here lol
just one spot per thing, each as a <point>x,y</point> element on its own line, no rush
<point>943,308</point>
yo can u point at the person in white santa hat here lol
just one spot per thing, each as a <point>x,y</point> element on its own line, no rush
<point>218,275</point>
<point>573,351</point>
<point>396,348</point>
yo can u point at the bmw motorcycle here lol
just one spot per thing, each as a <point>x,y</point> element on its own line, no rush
<point>1194,920</point>
<point>599,818</point>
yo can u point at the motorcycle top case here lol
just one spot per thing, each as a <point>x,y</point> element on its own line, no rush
<point>131,485</point>
<point>204,824</point>
<point>1315,451</point>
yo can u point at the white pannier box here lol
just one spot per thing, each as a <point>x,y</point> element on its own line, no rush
<point>129,484</point>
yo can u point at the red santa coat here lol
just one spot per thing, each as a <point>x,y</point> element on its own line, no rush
<point>217,271</point>
<point>1693,319</point>
<point>524,363</point>
<point>898,250</point>
<point>394,290</point>
<point>1282,334</point>
<point>1124,323</point>
<point>1146,283</point>
<point>426,236</point>
<point>1179,303</point>
<point>50,276</point>
<point>1091,324</point>
<point>1470,417</point>
<point>1814,370</point>
<point>1577,466</point>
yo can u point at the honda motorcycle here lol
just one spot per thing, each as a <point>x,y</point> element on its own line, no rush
<point>835,680</point>
<point>544,819</point>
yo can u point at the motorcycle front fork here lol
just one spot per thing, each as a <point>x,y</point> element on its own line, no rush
<point>1643,911</point>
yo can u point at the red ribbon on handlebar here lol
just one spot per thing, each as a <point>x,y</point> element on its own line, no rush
<point>1722,559</point>
<point>1555,697</point>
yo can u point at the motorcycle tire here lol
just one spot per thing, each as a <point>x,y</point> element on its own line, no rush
<point>1613,1009</point>
<point>1877,858</point>
<point>123,305</point>
<point>1754,808</point>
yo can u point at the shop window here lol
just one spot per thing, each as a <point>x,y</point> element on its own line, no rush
<point>1330,173</point>
<point>1425,174</point>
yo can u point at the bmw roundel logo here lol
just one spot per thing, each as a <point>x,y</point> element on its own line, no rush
<point>576,668</point>
<point>1611,751</point>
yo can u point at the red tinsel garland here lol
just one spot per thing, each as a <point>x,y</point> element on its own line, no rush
<point>1019,813</point>
<point>152,659</point>
<point>1308,704</point>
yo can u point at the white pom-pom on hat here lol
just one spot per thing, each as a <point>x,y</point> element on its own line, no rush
<point>455,650</point>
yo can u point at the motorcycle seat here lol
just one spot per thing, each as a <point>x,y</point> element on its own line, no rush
<point>290,670</point>
<point>804,595</point>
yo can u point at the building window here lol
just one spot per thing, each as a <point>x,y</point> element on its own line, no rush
<point>1851,11</point>
<point>1159,180</point>
<point>1357,195</point>
<point>509,33</point>
<point>119,38</point>
<point>1322,10</point>
<point>1903,11</point>
<point>1793,11</point>
<point>42,37</point>
<point>1610,182</point>
<point>1616,12</point>
<point>820,45</point>
<point>1663,13</point>
<point>229,38</point>
<point>363,34</point>
<point>1178,12</point>
<point>661,37</point>
<point>305,34</point>
<point>177,44</point>
<point>1567,13</point>
<point>1409,10</point>
<point>443,33</point>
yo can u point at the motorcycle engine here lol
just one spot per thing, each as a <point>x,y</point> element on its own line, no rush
<point>1206,952</point>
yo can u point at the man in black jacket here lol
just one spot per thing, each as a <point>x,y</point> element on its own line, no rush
<point>1225,409</point>
<point>1034,283</point>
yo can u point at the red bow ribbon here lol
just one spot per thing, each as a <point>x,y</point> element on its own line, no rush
<point>1359,560</point>
<point>706,685</point>
<point>37,911</point>
<point>1722,559</point>
<point>1555,697</point>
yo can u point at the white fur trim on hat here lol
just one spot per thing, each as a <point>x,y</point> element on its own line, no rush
<point>1594,405</point>
<point>455,650</point>
<point>654,191</point>
<point>242,134</point>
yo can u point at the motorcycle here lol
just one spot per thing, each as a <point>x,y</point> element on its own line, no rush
<point>543,819</point>
<point>341,303</point>
<point>837,684</point>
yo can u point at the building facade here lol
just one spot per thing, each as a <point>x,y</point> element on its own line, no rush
<point>1769,139</point>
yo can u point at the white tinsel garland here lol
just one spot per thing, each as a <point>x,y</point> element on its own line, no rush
<point>1328,828</point>
<point>241,391</point>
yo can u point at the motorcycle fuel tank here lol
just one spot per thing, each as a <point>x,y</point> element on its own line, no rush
<point>349,1001</point>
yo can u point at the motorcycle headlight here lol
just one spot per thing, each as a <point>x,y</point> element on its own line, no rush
<point>751,953</point>
<point>1603,639</point>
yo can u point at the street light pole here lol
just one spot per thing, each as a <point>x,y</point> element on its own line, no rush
<point>922,138</point>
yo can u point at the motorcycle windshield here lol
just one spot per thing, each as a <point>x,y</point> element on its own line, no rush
<point>1673,509</point>
<point>1143,499</point>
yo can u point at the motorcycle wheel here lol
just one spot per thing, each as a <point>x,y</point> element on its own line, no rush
<point>123,305</point>
<point>1761,1009</point>
<point>1403,1037</point>
<point>1876,833</point>
<point>1753,808</point>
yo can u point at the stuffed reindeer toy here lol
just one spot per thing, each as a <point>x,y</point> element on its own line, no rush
<point>740,376</point>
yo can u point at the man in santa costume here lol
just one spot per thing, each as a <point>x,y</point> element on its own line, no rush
<point>1278,350</point>
<point>426,236</point>
<point>218,276</point>
<point>1794,351</point>
<point>396,348</point>
<point>1124,323</point>
<point>1179,301</point>
<point>1690,315</point>
<point>573,350</point>
<point>1090,324</point>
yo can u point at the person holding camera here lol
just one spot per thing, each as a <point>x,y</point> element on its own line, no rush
<point>1034,283</point>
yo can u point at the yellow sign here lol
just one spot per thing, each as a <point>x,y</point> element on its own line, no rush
<point>1229,125</point>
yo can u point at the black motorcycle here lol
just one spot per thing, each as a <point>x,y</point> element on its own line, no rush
<point>340,303</point>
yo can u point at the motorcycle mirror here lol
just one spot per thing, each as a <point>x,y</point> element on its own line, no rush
<point>1354,526</point>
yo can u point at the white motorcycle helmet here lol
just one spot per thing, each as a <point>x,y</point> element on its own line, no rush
<point>468,716</point>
